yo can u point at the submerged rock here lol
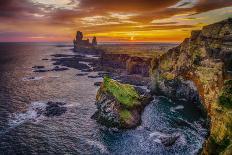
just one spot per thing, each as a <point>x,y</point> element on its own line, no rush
<point>169,140</point>
<point>57,68</point>
<point>93,77</point>
<point>119,105</point>
<point>81,74</point>
<point>38,67</point>
<point>43,69</point>
<point>55,109</point>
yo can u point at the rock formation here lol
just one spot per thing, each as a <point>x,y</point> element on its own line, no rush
<point>132,64</point>
<point>80,43</point>
<point>119,105</point>
<point>199,69</point>
<point>94,41</point>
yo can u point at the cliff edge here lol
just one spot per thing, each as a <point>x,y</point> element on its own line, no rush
<point>200,70</point>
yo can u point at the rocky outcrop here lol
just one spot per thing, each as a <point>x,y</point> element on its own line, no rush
<point>79,43</point>
<point>119,105</point>
<point>94,41</point>
<point>199,70</point>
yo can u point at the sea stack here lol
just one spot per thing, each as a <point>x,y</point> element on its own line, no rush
<point>79,42</point>
<point>120,105</point>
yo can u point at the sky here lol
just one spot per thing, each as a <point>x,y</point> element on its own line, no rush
<point>108,20</point>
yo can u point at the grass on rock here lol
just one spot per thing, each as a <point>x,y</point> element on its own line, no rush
<point>125,115</point>
<point>124,93</point>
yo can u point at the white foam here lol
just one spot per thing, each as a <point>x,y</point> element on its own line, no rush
<point>156,136</point>
<point>179,107</point>
<point>31,114</point>
<point>99,145</point>
<point>32,78</point>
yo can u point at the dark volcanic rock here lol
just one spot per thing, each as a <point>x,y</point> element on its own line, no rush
<point>57,68</point>
<point>41,70</point>
<point>38,67</point>
<point>55,109</point>
<point>93,77</point>
<point>61,55</point>
<point>81,74</point>
<point>44,59</point>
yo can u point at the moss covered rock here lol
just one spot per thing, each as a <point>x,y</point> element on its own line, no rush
<point>119,105</point>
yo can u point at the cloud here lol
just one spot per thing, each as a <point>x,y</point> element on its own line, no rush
<point>101,16</point>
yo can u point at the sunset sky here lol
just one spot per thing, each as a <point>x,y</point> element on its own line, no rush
<point>109,20</point>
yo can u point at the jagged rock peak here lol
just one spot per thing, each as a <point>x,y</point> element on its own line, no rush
<point>80,42</point>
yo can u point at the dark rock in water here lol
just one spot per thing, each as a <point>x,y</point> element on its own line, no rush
<point>38,67</point>
<point>93,77</point>
<point>81,74</point>
<point>102,74</point>
<point>94,41</point>
<point>169,140</point>
<point>55,109</point>
<point>45,59</point>
<point>86,70</point>
<point>61,55</point>
<point>41,70</point>
<point>97,83</point>
<point>57,68</point>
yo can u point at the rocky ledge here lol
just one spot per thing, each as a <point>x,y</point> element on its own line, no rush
<point>199,70</point>
<point>120,105</point>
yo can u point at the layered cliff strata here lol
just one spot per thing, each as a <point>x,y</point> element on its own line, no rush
<point>204,62</point>
<point>131,64</point>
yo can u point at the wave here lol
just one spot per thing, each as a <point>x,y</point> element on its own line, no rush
<point>33,112</point>
<point>179,107</point>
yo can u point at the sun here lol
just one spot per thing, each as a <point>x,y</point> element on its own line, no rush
<point>132,38</point>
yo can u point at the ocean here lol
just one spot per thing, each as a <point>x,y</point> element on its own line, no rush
<point>24,94</point>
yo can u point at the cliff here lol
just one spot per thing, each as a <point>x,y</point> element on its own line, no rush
<point>199,70</point>
<point>131,64</point>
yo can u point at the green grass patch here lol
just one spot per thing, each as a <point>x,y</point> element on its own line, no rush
<point>125,115</point>
<point>225,98</point>
<point>124,93</point>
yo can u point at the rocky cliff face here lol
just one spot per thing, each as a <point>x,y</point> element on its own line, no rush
<point>199,70</point>
<point>132,64</point>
